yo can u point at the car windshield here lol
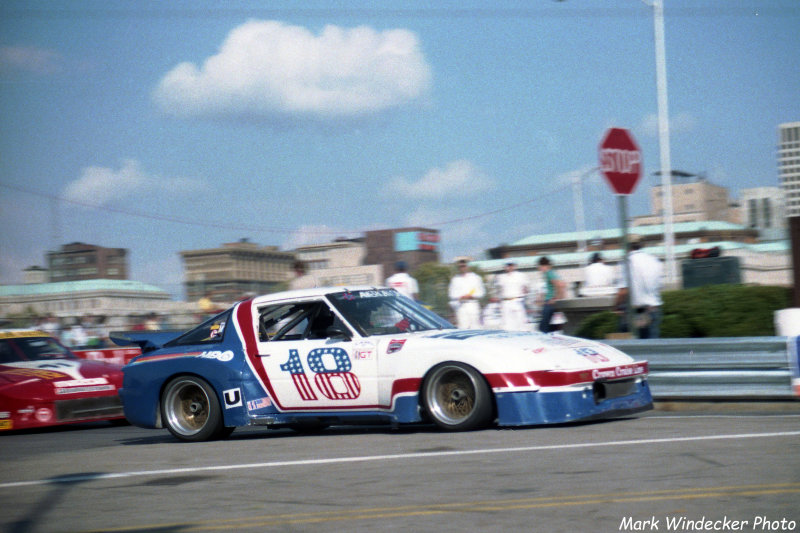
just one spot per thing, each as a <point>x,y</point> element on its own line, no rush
<point>385,312</point>
<point>32,349</point>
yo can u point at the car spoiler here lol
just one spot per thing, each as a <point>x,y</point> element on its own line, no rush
<point>146,340</point>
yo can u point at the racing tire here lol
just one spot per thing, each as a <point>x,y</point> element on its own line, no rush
<point>456,397</point>
<point>190,410</point>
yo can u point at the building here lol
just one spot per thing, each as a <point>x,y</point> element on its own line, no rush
<point>789,165</point>
<point>763,208</point>
<point>339,263</point>
<point>115,300</point>
<point>78,261</point>
<point>760,263</point>
<point>696,234</point>
<point>414,245</point>
<point>36,274</point>
<point>227,273</point>
<point>693,199</point>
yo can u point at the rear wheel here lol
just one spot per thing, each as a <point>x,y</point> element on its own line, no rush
<point>191,411</point>
<point>457,398</point>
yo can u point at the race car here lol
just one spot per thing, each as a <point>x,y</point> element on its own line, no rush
<point>42,383</point>
<point>324,356</point>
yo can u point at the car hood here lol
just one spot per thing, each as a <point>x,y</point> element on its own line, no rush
<point>551,351</point>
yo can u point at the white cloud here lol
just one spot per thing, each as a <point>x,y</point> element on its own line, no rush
<point>30,59</point>
<point>102,185</point>
<point>681,123</point>
<point>269,69</point>
<point>458,178</point>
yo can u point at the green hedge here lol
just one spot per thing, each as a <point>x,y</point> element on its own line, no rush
<point>710,311</point>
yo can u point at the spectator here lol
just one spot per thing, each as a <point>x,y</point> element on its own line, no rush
<point>465,291</point>
<point>554,291</point>
<point>402,282</point>
<point>645,291</point>
<point>302,280</point>
<point>151,323</point>
<point>598,278</point>
<point>51,326</point>
<point>512,287</point>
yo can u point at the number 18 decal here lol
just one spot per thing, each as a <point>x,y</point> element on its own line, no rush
<point>334,383</point>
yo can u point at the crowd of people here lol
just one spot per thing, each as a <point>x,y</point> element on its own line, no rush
<point>92,331</point>
<point>512,299</point>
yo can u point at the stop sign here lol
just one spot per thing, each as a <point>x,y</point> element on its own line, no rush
<point>620,160</point>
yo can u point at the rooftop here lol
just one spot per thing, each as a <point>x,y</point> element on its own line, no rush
<point>89,285</point>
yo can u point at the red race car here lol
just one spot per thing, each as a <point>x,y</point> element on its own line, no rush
<point>42,383</point>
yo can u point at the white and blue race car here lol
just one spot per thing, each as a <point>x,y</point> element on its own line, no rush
<point>325,356</point>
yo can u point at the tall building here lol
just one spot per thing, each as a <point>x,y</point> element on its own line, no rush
<point>789,165</point>
<point>78,261</point>
<point>227,273</point>
<point>763,208</point>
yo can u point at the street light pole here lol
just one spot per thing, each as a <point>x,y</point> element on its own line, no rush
<point>663,137</point>
<point>577,199</point>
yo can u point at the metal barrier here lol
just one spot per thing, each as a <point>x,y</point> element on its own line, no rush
<point>737,368</point>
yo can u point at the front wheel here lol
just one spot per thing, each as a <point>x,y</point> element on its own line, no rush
<point>457,398</point>
<point>191,411</point>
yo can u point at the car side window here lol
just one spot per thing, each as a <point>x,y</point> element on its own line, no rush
<point>305,320</point>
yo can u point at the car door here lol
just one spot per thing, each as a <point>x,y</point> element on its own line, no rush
<point>313,360</point>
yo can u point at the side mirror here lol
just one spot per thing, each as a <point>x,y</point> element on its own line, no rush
<point>337,332</point>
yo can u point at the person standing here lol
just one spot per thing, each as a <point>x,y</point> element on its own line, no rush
<point>513,286</point>
<point>598,278</point>
<point>646,281</point>
<point>402,282</point>
<point>302,280</point>
<point>554,290</point>
<point>465,291</point>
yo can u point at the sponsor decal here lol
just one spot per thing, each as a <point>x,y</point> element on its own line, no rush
<point>592,355</point>
<point>77,390</point>
<point>233,398</point>
<point>225,356</point>
<point>35,373</point>
<point>6,424</point>
<point>5,414</point>
<point>261,403</point>
<point>20,334</point>
<point>80,382</point>
<point>618,372</point>
<point>395,345</point>
<point>363,351</point>
<point>43,414</point>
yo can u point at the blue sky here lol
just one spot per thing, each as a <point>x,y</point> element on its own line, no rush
<point>162,127</point>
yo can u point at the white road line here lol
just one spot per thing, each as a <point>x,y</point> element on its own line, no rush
<point>80,478</point>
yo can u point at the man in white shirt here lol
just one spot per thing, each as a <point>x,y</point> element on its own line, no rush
<point>402,282</point>
<point>645,295</point>
<point>598,278</point>
<point>512,286</point>
<point>465,291</point>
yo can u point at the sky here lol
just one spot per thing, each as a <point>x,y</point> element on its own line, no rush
<point>160,127</point>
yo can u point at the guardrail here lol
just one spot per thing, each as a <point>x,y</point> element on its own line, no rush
<point>737,368</point>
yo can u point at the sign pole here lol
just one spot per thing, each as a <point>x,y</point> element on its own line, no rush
<point>622,202</point>
<point>621,164</point>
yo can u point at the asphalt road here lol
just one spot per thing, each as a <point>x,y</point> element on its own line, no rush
<point>686,470</point>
